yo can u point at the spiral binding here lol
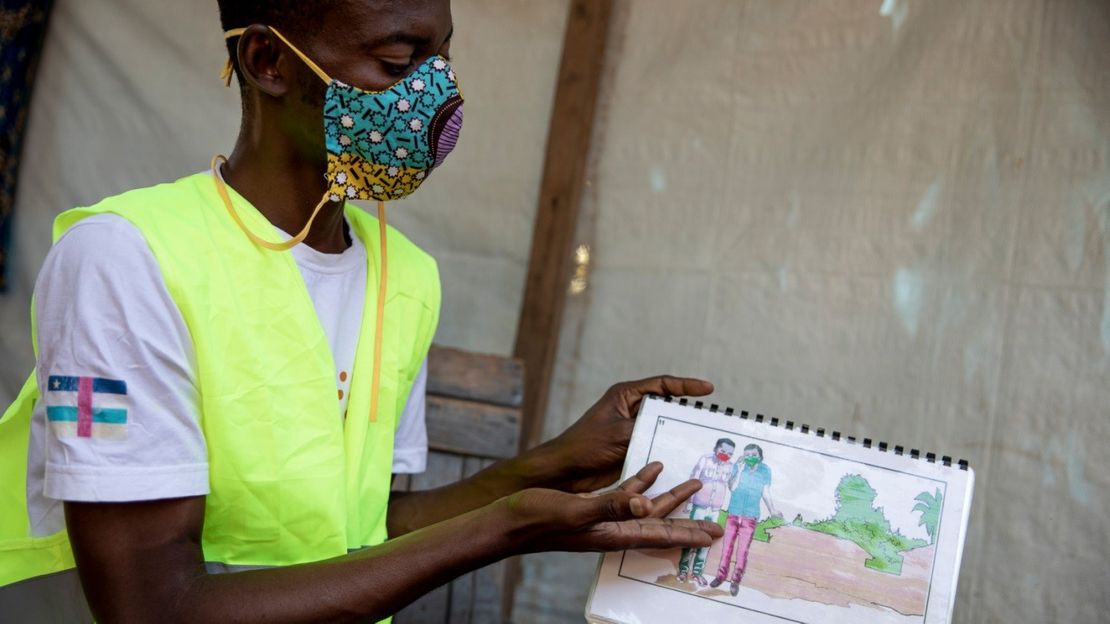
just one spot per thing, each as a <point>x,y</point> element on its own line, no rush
<point>819,432</point>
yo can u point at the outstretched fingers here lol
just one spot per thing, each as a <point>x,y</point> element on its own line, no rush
<point>668,501</point>
<point>660,533</point>
<point>616,506</point>
<point>642,480</point>
<point>665,503</point>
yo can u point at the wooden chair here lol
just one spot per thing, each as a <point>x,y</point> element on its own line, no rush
<point>474,412</point>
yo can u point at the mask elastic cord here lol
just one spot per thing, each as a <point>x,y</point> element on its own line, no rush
<point>221,188</point>
<point>383,269</point>
<point>225,75</point>
<point>383,274</point>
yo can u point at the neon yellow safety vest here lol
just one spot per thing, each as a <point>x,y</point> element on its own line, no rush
<point>290,481</point>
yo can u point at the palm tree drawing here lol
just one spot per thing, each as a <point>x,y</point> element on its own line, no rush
<point>929,505</point>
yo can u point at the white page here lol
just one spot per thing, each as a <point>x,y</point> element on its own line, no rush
<point>851,548</point>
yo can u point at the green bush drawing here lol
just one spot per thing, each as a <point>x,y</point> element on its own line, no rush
<point>770,522</point>
<point>859,521</point>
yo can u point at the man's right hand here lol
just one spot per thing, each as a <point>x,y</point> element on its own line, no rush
<point>618,520</point>
<point>143,562</point>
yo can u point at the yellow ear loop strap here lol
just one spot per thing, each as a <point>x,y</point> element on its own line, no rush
<point>221,188</point>
<point>383,274</point>
<point>225,75</point>
<point>383,277</point>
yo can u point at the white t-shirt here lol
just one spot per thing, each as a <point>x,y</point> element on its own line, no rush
<point>103,316</point>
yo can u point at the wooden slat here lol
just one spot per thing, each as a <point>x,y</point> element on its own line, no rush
<point>469,428</point>
<point>471,465</point>
<point>568,142</point>
<point>461,609</point>
<point>488,601</point>
<point>401,483</point>
<point>475,376</point>
<point>443,469</point>
<point>431,608</point>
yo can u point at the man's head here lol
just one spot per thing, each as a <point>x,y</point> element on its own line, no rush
<point>753,454</point>
<point>370,44</point>
<point>724,448</point>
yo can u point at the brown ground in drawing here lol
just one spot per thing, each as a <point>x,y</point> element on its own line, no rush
<point>799,563</point>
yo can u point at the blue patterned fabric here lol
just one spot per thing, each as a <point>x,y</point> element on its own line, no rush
<point>22,28</point>
<point>382,145</point>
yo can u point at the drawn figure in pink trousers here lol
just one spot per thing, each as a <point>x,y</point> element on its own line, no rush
<point>750,483</point>
<point>714,471</point>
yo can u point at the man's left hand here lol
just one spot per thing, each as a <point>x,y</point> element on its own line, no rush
<point>589,455</point>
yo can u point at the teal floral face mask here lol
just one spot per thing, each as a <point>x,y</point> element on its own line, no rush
<point>383,145</point>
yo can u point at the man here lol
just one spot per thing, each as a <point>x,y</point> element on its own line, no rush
<point>713,471</point>
<point>750,483</point>
<point>211,396</point>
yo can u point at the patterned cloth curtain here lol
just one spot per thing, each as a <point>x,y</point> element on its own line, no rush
<point>22,28</point>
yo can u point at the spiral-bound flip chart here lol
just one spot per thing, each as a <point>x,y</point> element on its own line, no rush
<point>818,526</point>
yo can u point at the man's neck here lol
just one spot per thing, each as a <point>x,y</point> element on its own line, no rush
<point>285,190</point>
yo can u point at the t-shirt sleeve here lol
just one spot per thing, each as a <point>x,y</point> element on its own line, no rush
<point>116,372</point>
<point>410,443</point>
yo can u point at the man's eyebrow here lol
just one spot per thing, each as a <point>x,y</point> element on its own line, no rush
<point>404,37</point>
<point>398,37</point>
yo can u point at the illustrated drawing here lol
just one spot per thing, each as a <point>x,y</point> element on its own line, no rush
<point>860,535</point>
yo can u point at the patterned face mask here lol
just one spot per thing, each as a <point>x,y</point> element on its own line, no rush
<point>383,145</point>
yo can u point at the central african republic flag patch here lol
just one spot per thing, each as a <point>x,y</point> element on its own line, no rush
<point>86,407</point>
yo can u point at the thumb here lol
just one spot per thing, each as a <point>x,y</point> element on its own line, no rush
<point>612,506</point>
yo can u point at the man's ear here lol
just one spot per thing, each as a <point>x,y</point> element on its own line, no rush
<point>261,59</point>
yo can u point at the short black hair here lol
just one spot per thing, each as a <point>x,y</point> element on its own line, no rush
<point>292,17</point>
<point>754,447</point>
<point>724,441</point>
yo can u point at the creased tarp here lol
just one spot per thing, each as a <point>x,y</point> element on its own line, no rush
<point>887,218</point>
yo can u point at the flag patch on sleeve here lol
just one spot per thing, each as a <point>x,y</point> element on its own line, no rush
<point>86,407</point>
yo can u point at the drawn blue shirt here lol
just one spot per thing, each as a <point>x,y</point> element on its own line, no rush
<point>749,489</point>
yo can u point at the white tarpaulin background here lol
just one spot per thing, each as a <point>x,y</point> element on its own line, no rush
<point>885,217</point>
<point>889,218</point>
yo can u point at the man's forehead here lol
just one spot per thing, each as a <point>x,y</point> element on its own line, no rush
<point>386,21</point>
